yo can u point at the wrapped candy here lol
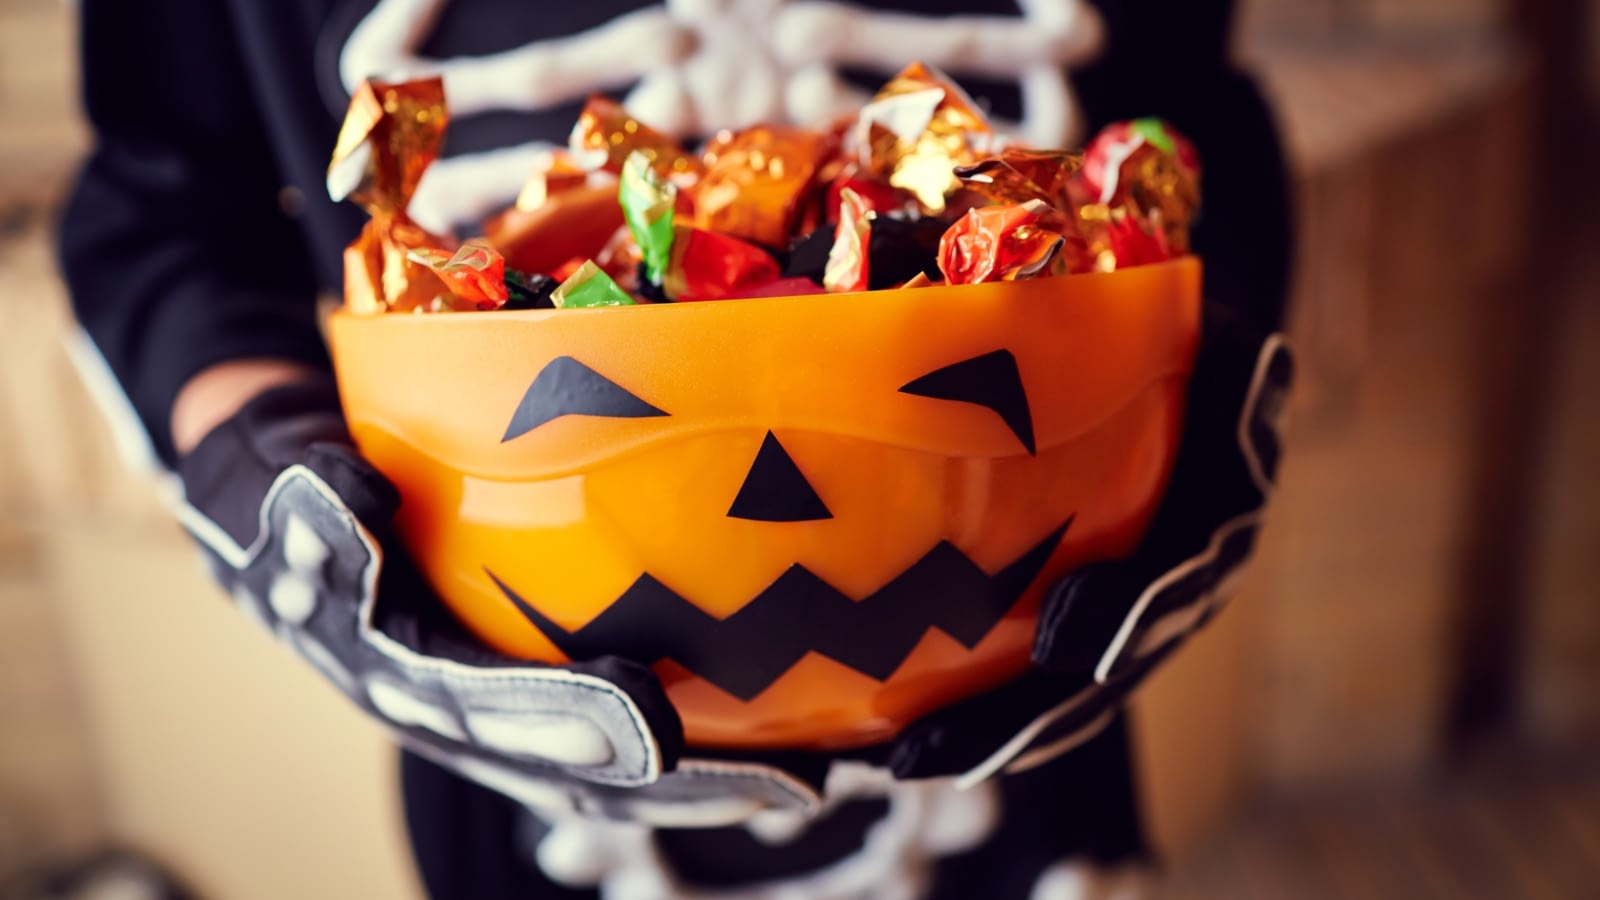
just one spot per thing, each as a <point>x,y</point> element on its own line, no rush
<point>529,291</point>
<point>605,136</point>
<point>1015,175</point>
<point>1117,238</point>
<point>391,134</point>
<point>710,266</point>
<point>577,222</point>
<point>1003,243</point>
<point>648,206</point>
<point>589,286</point>
<point>914,189</point>
<point>555,171</point>
<point>1145,168</point>
<point>756,182</point>
<point>917,130</point>
<point>475,274</point>
<point>847,268</point>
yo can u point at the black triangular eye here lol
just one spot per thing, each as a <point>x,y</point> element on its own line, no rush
<point>566,387</point>
<point>990,380</point>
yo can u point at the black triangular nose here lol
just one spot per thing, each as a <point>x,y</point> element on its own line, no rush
<point>775,490</point>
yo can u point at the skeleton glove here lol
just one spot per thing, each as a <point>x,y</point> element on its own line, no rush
<point>289,517</point>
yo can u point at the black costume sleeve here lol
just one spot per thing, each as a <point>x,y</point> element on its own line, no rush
<point>1172,58</point>
<point>174,246</point>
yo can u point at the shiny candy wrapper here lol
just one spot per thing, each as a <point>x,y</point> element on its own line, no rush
<point>1015,175</point>
<point>526,291</point>
<point>847,268</point>
<point>1003,243</point>
<point>711,266</point>
<point>605,136</point>
<point>475,274</point>
<point>1117,238</point>
<point>917,130</point>
<point>578,222</point>
<point>589,285</point>
<point>391,134</point>
<point>556,171</point>
<point>648,206</point>
<point>756,182</point>
<point>1147,168</point>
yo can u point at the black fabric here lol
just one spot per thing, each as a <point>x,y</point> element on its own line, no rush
<point>467,840</point>
<point>473,844</point>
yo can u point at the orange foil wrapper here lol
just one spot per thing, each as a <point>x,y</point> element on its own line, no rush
<point>847,260</point>
<point>917,130</point>
<point>573,223</point>
<point>1016,176</point>
<point>390,136</point>
<point>710,266</point>
<point>554,172</point>
<point>756,182</point>
<point>475,274</point>
<point>606,134</point>
<point>1003,243</point>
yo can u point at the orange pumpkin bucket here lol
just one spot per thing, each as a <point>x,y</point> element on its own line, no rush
<point>817,517</point>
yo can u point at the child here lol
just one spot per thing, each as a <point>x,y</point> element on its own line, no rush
<point>200,234</point>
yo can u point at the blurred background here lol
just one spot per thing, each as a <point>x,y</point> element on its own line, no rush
<point>1403,702</point>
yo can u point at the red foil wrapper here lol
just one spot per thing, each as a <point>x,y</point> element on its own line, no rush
<point>390,135</point>
<point>1148,169</point>
<point>606,134</point>
<point>1117,238</point>
<point>756,182</point>
<point>1004,243</point>
<point>879,197</point>
<point>710,266</point>
<point>475,274</point>
<point>847,260</point>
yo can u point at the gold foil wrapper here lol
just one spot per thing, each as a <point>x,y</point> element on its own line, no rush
<point>918,130</point>
<point>1015,176</point>
<point>608,134</point>
<point>757,182</point>
<point>390,136</point>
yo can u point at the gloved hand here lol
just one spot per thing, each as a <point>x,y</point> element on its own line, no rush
<point>295,524</point>
<point>1105,626</point>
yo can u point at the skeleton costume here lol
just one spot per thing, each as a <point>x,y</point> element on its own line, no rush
<point>201,232</point>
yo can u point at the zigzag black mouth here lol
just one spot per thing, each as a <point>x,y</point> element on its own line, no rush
<point>799,613</point>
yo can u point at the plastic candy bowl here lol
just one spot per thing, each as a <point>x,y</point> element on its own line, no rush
<point>816,517</point>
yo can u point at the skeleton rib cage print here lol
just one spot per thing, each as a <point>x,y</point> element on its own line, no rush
<point>693,67</point>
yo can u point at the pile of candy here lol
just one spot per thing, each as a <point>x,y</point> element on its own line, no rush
<point>915,189</point>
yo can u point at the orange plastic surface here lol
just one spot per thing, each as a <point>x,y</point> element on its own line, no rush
<point>574,512</point>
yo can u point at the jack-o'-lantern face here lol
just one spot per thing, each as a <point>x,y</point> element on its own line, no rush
<point>817,517</point>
